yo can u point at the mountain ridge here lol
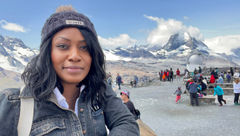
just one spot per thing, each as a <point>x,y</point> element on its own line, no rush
<point>14,54</point>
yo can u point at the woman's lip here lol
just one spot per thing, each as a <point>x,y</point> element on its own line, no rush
<point>73,69</point>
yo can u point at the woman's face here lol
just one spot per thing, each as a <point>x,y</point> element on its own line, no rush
<point>70,57</point>
<point>123,97</point>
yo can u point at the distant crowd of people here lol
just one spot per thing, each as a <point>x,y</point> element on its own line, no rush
<point>197,85</point>
<point>220,77</point>
<point>168,75</point>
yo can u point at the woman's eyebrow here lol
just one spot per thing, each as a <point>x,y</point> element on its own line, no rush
<point>82,41</point>
<point>64,38</point>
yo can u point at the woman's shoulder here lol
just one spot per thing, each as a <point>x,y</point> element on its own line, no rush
<point>9,97</point>
<point>10,107</point>
<point>10,94</point>
<point>108,90</point>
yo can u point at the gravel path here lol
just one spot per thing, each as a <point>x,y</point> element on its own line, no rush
<point>166,118</point>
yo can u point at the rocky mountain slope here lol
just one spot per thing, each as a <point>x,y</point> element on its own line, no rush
<point>14,54</point>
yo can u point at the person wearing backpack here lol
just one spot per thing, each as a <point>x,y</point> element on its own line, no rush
<point>193,92</point>
<point>65,91</point>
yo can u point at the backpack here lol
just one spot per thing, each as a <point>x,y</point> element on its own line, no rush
<point>187,85</point>
<point>204,86</point>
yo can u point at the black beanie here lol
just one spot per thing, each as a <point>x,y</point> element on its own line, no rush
<point>58,21</point>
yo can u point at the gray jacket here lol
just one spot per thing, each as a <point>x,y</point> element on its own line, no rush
<point>193,87</point>
<point>178,92</point>
<point>51,120</point>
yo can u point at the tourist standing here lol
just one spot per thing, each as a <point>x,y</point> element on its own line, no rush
<point>193,92</point>
<point>159,74</point>
<point>164,76</point>
<point>228,77</point>
<point>220,80</point>
<point>171,74</point>
<point>231,71</point>
<point>199,70</point>
<point>236,89</point>
<point>178,74</point>
<point>119,81</point>
<point>135,80</point>
<point>212,79</point>
<point>109,78</point>
<point>168,78</point>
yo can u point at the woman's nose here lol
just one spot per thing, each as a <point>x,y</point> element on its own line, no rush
<point>74,55</point>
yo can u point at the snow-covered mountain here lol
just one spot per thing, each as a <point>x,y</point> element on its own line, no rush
<point>179,39</point>
<point>179,47</point>
<point>14,54</point>
<point>183,42</point>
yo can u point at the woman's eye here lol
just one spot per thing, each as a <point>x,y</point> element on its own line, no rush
<point>62,46</point>
<point>83,48</point>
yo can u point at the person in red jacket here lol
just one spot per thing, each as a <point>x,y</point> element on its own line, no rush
<point>178,74</point>
<point>212,79</point>
<point>168,78</point>
<point>165,76</point>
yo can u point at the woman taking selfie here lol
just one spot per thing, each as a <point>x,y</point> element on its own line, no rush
<point>67,83</point>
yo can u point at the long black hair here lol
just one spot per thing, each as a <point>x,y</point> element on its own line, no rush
<point>41,78</point>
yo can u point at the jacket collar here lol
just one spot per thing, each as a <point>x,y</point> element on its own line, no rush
<point>26,93</point>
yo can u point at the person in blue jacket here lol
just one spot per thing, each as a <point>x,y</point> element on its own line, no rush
<point>119,81</point>
<point>219,91</point>
<point>193,92</point>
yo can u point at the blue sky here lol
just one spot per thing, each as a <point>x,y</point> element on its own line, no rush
<point>123,22</point>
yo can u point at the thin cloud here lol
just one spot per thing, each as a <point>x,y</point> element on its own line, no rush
<point>166,28</point>
<point>123,40</point>
<point>236,26</point>
<point>11,26</point>
<point>223,44</point>
<point>186,18</point>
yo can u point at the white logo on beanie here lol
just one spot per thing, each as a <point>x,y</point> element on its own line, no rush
<point>75,22</point>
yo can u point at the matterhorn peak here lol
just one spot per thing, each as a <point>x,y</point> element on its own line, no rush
<point>182,39</point>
